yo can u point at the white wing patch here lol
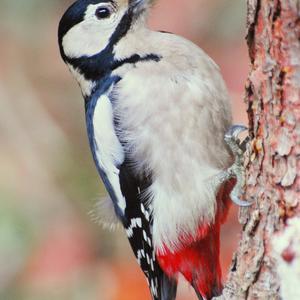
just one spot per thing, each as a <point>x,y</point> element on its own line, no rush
<point>109,150</point>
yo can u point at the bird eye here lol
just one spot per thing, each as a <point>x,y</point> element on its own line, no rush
<point>102,13</point>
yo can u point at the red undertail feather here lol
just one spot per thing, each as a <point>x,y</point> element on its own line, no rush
<point>198,258</point>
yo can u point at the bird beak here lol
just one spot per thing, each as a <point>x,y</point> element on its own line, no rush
<point>140,6</point>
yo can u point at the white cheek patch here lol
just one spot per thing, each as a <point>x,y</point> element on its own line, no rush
<point>90,36</point>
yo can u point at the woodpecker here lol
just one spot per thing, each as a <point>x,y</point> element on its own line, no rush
<point>157,111</point>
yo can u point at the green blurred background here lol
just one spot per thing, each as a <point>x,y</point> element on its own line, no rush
<point>49,246</point>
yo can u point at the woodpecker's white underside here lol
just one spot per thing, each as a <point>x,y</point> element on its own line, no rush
<point>174,114</point>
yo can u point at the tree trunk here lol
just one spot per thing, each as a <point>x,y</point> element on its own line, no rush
<point>267,262</point>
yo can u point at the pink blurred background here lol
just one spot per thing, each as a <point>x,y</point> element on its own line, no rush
<point>49,246</point>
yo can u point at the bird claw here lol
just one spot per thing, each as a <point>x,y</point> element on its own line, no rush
<point>234,131</point>
<point>237,169</point>
<point>236,200</point>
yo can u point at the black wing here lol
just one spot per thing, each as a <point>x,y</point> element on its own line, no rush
<point>126,191</point>
<point>138,225</point>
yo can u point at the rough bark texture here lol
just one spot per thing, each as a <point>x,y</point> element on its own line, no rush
<point>267,244</point>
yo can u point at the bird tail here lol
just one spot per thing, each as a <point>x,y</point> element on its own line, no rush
<point>166,287</point>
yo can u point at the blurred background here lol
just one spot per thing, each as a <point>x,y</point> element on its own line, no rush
<point>49,246</point>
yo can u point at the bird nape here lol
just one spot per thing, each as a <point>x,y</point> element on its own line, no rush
<point>157,111</point>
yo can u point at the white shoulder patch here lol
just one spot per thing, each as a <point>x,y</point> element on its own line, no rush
<point>109,150</point>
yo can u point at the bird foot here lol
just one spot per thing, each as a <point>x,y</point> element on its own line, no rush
<point>237,169</point>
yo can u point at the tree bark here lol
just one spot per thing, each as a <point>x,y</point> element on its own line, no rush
<point>267,262</point>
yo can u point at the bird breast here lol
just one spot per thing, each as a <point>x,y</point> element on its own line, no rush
<point>173,115</point>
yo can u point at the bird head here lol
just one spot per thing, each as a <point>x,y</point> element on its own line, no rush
<point>90,26</point>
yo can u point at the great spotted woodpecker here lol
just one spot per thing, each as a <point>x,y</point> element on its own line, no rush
<point>157,110</point>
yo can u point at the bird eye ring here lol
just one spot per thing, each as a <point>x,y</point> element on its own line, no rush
<point>102,13</point>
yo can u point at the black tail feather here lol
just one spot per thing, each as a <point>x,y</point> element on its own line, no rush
<point>168,288</point>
